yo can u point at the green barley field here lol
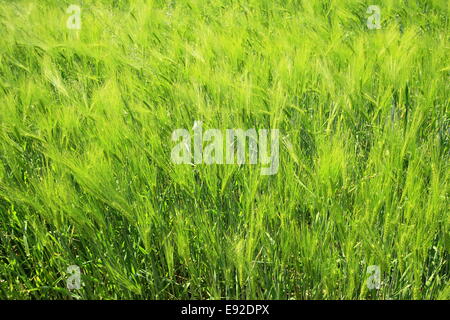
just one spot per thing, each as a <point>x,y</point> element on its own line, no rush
<point>358,207</point>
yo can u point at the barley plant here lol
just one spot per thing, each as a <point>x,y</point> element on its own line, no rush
<point>93,207</point>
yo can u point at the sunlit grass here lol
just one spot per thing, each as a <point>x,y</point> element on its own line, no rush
<point>85,138</point>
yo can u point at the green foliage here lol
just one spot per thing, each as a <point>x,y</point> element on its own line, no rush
<point>85,138</point>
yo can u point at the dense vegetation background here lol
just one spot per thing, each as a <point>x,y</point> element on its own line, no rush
<point>85,139</point>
